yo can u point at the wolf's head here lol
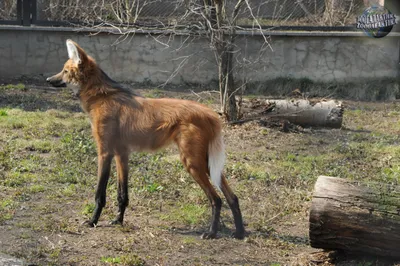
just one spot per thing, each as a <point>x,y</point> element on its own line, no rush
<point>75,69</point>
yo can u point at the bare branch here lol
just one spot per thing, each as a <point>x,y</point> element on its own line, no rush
<point>258,24</point>
<point>238,5</point>
<point>184,61</point>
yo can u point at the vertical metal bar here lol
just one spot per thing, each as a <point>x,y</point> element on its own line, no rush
<point>26,13</point>
<point>33,11</point>
<point>19,12</point>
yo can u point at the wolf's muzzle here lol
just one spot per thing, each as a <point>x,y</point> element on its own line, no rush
<point>56,82</point>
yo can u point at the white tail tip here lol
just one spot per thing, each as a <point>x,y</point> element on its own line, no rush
<point>216,160</point>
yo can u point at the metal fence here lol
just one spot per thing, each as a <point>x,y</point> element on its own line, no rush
<point>8,10</point>
<point>161,13</point>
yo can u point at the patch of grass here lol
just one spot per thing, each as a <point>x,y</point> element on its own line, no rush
<point>190,214</point>
<point>154,93</point>
<point>290,157</point>
<point>29,225</point>
<point>27,162</point>
<point>45,208</point>
<point>111,260</point>
<point>237,170</point>
<point>55,253</point>
<point>88,209</point>
<point>153,187</point>
<point>287,167</point>
<point>190,240</point>
<point>394,113</point>
<point>17,179</point>
<point>25,235</point>
<point>132,260</point>
<point>54,129</point>
<point>70,190</point>
<point>41,125</point>
<point>36,188</point>
<point>18,86</point>
<point>79,142</point>
<point>391,174</point>
<point>50,223</point>
<point>75,159</point>
<point>355,151</point>
<point>7,209</point>
<point>128,260</point>
<point>42,146</point>
<point>51,253</point>
<point>264,132</point>
<point>355,113</point>
<point>305,167</point>
<point>3,112</point>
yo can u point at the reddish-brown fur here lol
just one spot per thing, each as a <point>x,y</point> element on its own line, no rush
<point>123,122</point>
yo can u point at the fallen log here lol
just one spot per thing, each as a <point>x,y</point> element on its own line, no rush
<point>358,218</point>
<point>301,112</point>
<point>310,113</point>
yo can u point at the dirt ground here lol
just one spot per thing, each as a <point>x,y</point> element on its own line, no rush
<point>48,179</point>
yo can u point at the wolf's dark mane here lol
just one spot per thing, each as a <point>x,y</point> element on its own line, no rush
<point>115,85</point>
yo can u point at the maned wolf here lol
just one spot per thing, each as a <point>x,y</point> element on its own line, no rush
<point>123,122</point>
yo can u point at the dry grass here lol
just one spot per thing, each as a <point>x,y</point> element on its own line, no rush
<point>47,184</point>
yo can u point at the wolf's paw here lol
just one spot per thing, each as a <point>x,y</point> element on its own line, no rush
<point>208,235</point>
<point>89,223</point>
<point>239,235</point>
<point>116,222</point>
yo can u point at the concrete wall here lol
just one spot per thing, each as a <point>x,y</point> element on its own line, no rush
<point>326,57</point>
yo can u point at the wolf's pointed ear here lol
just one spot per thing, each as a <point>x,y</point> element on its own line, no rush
<point>74,52</point>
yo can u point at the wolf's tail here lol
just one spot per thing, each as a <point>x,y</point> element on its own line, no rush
<point>216,160</point>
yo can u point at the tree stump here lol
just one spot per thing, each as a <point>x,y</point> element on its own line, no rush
<point>358,218</point>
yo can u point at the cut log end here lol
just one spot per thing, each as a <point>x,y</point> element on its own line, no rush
<point>359,218</point>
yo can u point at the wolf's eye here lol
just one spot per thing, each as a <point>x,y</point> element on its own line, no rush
<point>65,71</point>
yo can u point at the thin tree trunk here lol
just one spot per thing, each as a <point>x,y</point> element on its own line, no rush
<point>226,82</point>
<point>231,108</point>
<point>329,11</point>
<point>223,34</point>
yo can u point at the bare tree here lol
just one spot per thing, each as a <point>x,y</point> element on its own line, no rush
<point>219,25</point>
<point>222,31</point>
<point>128,11</point>
<point>216,19</point>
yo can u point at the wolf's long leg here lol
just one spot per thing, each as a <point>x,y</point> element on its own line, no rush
<point>194,158</point>
<point>104,168</point>
<point>123,199</point>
